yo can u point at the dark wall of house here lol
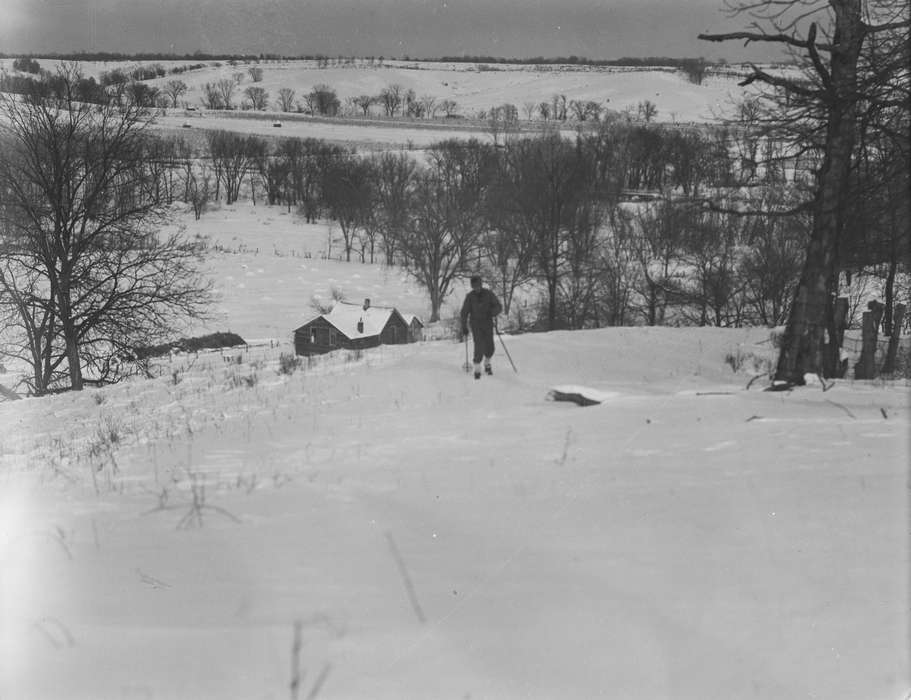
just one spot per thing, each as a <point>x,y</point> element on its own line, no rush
<point>396,331</point>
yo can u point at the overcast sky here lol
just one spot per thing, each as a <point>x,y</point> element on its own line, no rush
<point>391,28</point>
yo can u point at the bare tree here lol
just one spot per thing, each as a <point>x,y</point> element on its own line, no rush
<point>199,191</point>
<point>647,110</point>
<point>395,180</point>
<point>771,265</point>
<point>29,332</point>
<point>830,37</point>
<point>258,97</point>
<point>363,103</point>
<point>175,89</point>
<point>503,121</point>
<point>323,100</point>
<point>559,107</point>
<point>77,209</point>
<point>391,98</point>
<point>655,234</point>
<point>447,222</point>
<point>348,193</point>
<point>577,107</point>
<point>429,106</point>
<point>232,156</point>
<point>212,97</point>
<point>286,99</point>
<point>449,107</point>
<point>548,187</point>
<point>225,88</point>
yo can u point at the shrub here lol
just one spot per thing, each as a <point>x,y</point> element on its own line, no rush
<point>213,341</point>
<point>27,65</point>
<point>289,363</point>
<point>739,359</point>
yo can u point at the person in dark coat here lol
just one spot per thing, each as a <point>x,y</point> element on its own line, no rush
<point>480,309</point>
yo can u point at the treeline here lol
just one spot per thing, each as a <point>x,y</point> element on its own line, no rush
<point>117,86</point>
<point>651,62</point>
<point>545,214</point>
<point>628,224</point>
<point>106,56</point>
<point>669,258</point>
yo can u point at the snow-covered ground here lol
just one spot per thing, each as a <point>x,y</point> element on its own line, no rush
<point>267,265</point>
<point>365,136</point>
<point>617,88</point>
<point>383,526</point>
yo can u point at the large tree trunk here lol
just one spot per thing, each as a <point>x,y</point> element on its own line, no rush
<point>802,350</point>
<point>69,333</point>
<point>436,301</point>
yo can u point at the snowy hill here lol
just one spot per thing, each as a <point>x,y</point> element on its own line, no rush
<point>384,526</point>
<point>473,89</point>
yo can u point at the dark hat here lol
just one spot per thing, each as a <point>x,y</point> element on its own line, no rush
<point>475,279</point>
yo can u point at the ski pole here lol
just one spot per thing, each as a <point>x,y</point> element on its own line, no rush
<point>505,349</point>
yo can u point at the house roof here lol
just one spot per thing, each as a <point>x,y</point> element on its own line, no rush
<point>345,317</point>
<point>411,318</point>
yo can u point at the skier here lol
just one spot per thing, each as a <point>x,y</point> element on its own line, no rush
<point>481,306</point>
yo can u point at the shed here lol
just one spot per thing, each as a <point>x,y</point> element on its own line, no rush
<point>416,327</point>
<point>352,327</point>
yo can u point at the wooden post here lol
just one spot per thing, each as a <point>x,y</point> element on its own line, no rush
<point>898,315</point>
<point>840,322</point>
<point>841,319</point>
<point>866,366</point>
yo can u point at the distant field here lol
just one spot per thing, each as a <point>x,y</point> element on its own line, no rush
<point>473,89</point>
<point>366,136</point>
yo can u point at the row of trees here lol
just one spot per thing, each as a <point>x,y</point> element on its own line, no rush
<point>544,212</point>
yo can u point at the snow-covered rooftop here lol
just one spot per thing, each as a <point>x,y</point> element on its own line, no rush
<point>346,316</point>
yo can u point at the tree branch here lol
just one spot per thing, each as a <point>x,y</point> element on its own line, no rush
<point>750,37</point>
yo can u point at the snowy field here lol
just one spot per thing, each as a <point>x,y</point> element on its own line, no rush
<point>267,265</point>
<point>675,97</point>
<point>384,527</point>
<point>365,136</point>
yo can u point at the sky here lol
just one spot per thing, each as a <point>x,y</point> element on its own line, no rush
<point>602,29</point>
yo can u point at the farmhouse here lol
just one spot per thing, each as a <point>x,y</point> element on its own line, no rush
<point>354,327</point>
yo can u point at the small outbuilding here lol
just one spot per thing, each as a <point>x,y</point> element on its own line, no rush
<point>416,327</point>
<point>352,327</point>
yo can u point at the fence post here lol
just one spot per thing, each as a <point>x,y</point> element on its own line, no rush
<point>898,316</point>
<point>866,367</point>
<point>841,323</point>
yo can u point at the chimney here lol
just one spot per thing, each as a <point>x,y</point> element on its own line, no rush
<point>360,326</point>
<point>366,304</point>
